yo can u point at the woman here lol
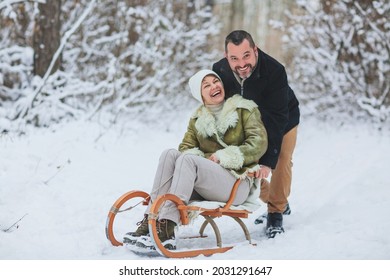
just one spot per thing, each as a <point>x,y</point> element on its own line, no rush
<point>224,141</point>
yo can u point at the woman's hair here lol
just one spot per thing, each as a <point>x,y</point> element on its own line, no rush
<point>237,37</point>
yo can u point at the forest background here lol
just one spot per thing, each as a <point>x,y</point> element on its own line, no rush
<point>92,91</point>
<point>79,59</point>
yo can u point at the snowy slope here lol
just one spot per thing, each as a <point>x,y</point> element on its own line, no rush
<point>66,182</point>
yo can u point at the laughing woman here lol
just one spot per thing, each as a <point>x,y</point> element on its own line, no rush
<point>224,141</point>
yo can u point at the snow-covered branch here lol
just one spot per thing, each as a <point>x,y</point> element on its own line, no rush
<point>380,33</point>
<point>6,3</point>
<point>120,59</point>
<point>342,59</point>
<point>30,99</point>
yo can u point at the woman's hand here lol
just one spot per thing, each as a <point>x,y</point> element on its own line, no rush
<point>263,172</point>
<point>214,158</point>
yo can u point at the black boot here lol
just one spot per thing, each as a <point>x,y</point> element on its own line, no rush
<point>264,216</point>
<point>274,224</point>
<point>287,210</point>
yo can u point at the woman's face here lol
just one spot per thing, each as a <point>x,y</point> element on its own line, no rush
<point>212,90</point>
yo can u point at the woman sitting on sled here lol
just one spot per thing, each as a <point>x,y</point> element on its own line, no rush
<point>224,141</point>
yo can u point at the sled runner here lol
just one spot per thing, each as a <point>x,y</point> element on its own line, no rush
<point>186,212</point>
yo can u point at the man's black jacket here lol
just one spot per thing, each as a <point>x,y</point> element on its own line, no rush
<point>268,87</point>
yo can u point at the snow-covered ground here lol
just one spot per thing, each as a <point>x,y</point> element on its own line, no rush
<point>62,184</point>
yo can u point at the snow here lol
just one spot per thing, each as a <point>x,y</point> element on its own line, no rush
<point>57,185</point>
<point>66,181</point>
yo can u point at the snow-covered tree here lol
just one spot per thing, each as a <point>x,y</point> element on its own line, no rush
<point>341,60</point>
<point>16,21</point>
<point>123,57</point>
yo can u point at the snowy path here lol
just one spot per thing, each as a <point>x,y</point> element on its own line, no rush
<point>66,182</point>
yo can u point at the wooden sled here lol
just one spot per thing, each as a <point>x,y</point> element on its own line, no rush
<point>208,214</point>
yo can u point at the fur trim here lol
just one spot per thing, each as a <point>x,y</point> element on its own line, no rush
<point>206,124</point>
<point>240,102</point>
<point>194,151</point>
<point>231,157</point>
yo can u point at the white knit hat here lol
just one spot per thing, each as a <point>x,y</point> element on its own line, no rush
<point>195,83</point>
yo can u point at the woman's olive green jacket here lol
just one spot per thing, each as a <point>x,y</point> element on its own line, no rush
<point>238,137</point>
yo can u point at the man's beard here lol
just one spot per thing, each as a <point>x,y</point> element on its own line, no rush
<point>248,71</point>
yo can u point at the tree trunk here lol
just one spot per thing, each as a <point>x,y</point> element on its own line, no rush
<point>46,38</point>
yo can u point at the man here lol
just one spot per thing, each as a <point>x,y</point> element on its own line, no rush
<point>248,71</point>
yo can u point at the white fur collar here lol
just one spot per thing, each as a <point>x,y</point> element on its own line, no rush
<point>207,125</point>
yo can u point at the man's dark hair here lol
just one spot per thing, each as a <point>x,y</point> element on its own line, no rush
<point>237,37</point>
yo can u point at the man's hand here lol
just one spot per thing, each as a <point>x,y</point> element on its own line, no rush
<point>263,172</point>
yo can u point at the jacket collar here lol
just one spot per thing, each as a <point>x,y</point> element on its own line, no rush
<point>206,124</point>
<point>257,72</point>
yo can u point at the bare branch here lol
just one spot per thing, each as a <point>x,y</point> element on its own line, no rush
<point>14,224</point>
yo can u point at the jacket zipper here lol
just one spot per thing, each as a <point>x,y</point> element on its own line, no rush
<point>242,87</point>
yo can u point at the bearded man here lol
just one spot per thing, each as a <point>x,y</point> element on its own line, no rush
<point>257,76</point>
